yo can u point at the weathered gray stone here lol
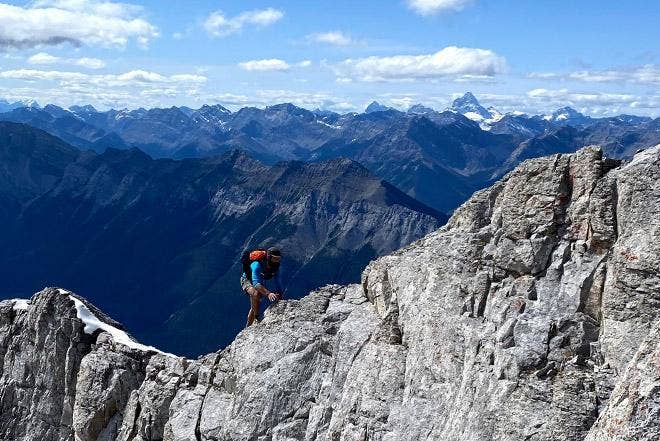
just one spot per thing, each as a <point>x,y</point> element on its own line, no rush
<point>41,349</point>
<point>633,410</point>
<point>106,378</point>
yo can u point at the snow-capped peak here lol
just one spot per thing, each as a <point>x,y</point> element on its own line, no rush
<point>567,115</point>
<point>469,106</point>
<point>88,108</point>
<point>33,104</point>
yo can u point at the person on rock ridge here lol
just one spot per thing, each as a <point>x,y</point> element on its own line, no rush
<point>258,266</point>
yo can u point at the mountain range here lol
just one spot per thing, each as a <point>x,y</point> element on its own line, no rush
<point>159,203</point>
<point>458,150</point>
<point>157,242</point>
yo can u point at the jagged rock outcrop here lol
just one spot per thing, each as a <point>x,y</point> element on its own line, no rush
<point>532,315</point>
<point>59,378</point>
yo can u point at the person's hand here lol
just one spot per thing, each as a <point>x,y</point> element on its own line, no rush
<point>273,296</point>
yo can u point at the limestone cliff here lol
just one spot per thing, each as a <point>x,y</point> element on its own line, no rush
<point>532,315</point>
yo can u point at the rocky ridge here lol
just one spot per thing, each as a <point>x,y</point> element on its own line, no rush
<point>532,315</point>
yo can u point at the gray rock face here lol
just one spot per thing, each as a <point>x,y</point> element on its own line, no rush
<point>532,315</point>
<point>633,411</point>
<point>58,381</point>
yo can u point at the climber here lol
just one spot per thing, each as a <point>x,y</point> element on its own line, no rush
<point>258,266</point>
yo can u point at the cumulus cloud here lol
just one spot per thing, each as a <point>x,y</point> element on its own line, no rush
<point>272,64</point>
<point>78,22</point>
<point>45,58</point>
<point>335,38</point>
<point>219,25</point>
<point>453,62</point>
<point>430,7</point>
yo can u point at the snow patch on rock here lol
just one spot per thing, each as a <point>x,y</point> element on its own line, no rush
<point>92,324</point>
<point>21,304</point>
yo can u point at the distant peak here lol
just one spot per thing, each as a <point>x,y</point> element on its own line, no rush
<point>467,99</point>
<point>284,106</point>
<point>375,106</point>
<point>30,103</point>
<point>469,106</point>
<point>214,108</point>
<point>420,109</point>
<point>88,108</point>
<point>567,109</point>
<point>567,114</point>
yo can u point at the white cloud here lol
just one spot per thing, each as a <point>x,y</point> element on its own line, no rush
<point>142,76</point>
<point>564,97</point>
<point>272,64</point>
<point>430,7</point>
<point>218,25</point>
<point>78,22</point>
<point>129,89</point>
<point>268,97</point>
<point>336,38</point>
<point>89,63</point>
<point>450,62</point>
<point>591,103</point>
<point>134,77</point>
<point>47,75</point>
<point>304,63</point>
<point>543,75</point>
<point>648,74</point>
<point>45,58</point>
<point>189,78</point>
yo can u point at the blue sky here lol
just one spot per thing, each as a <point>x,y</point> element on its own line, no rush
<point>601,57</point>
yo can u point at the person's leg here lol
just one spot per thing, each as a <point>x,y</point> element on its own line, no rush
<point>255,300</point>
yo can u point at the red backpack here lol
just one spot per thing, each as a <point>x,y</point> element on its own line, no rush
<point>257,255</point>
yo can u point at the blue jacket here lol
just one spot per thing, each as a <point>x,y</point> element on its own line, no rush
<point>258,278</point>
